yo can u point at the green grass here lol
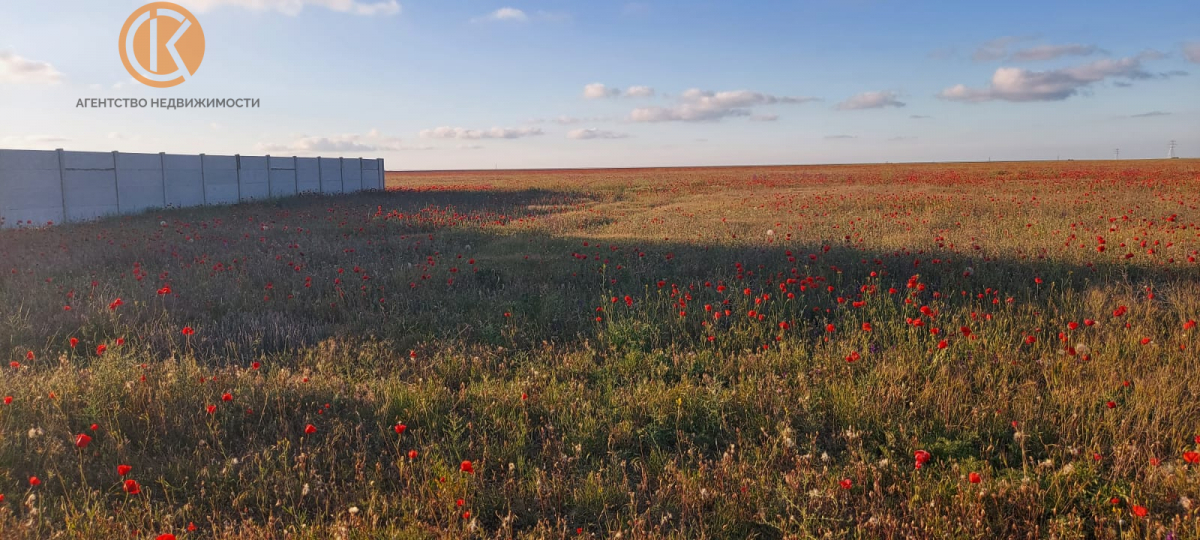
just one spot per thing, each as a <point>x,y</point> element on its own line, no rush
<point>567,334</point>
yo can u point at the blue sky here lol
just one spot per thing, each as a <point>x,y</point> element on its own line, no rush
<point>454,84</point>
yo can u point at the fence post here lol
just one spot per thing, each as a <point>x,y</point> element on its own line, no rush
<point>117,180</point>
<point>203,184</point>
<point>62,182</point>
<point>320,177</point>
<point>162,162</point>
<point>237,163</point>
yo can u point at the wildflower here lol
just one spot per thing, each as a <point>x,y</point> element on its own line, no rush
<point>846,483</point>
<point>123,470</point>
<point>82,440</point>
<point>974,478</point>
<point>921,456</point>
<point>467,467</point>
<point>310,429</point>
<point>131,487</point>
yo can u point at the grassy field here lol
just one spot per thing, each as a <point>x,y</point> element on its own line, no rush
<point>992,350</point>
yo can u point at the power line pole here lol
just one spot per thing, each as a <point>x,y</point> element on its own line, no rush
<point>1117,153</point>
<point>1171,152</point>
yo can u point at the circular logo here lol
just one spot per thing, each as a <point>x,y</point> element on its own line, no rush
<point>162,45</point>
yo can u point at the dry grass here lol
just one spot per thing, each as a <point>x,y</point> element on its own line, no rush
<point>654,353</point>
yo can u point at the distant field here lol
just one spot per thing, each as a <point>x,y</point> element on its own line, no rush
<point>987,350</point>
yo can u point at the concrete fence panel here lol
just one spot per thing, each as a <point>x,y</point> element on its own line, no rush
<point>89,185</point>
<point>352,175</point>
<point>308,175</point>
<point>370,174</point>
<point>183,180</point>
<point>254,177</point>
<point>283,176</point>
<point>41,187</point>
<point>30,188</point>
<point>221,180</point>
<point>331,175</point>
<point>140,182</point>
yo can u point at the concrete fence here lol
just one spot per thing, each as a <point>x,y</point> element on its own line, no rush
<point>38,187</point>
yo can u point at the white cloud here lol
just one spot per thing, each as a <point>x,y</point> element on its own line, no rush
<point>701,105</point>
<point>373,141</point>
<point>1016,84</point>
<point>1150,114</point>
<point>764,117</point>
<point>1191,51</point>
<point>294,7</point>
<point>997,48</point>
<point>514,15</point>
<point>507,14</point>
<point>600,91</point>
<point>593,133</point>
<point>839,137</point>
<point>870,100</point>
<point>15,69</point>
<point>494,133</point>
<point>1051,52</point>
<point>34,141</point>
<point>639,91</point>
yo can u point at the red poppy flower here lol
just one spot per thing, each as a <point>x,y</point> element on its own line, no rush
<point>974,478</point>
<point>73,342</point>
<point>412,454</point>
<point>255,365</point>
<point>169,536</point>
<point>8,400</point>
<point>310,429</point>
<point>82,440</point>
<point>131,487</point>
<point>29,355</point>
<point>921,457</point>
<point>1140,511</point>
<point>1191,457</point>
<point>123,470</point>
<point>226,397</point>
<point>400,428</point>
<point>467,467</point>
<point>1111,405</point>
<point>187,331</point>
<point>846,483</point>
<point>211,409</point>
<point>15,364</point>
<point>34,481</point>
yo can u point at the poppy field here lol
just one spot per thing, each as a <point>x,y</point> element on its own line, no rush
<point>988,350</point>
